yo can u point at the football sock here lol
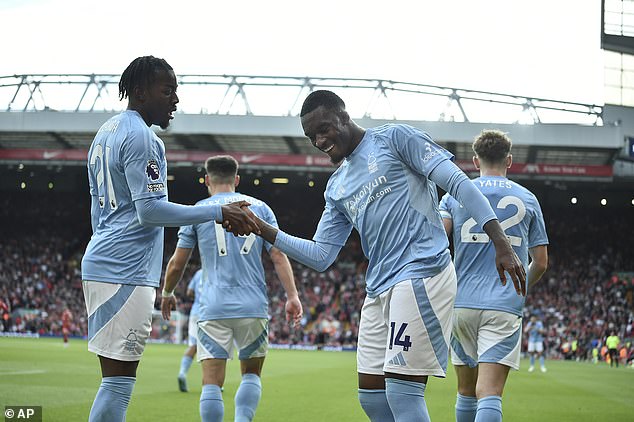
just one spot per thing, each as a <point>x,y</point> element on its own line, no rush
<point>532,360</point>
<point>407,400</point>
<point>186,362</point>
<point>541,361</point>
<point>212,408</point>
<point>247,397</point>
<point>112,399</point>
<point>375,405</point>
<point>489,409</point>
<point>466,407</point>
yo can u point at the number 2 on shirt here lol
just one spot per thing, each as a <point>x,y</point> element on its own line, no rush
<point>467,236</point>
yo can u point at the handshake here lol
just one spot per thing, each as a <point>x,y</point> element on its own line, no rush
<point>238,219</point>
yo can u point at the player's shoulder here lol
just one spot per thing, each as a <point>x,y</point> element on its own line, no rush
<point>258,206</point>
<point>522,190</point>
<point>397,131</point>
<point>255,202</point>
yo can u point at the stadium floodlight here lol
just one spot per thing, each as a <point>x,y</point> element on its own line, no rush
<point>201,180</point>
<point>573,200</point>
<point>311,184</point>
<point>23,185</point>
<point>280,180</point>
<point>632,201</point>
<point>256,182</point>
<point>50,185</point>
<point>604,201</point>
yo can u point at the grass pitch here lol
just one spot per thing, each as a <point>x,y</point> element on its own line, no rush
<point>297,385</point>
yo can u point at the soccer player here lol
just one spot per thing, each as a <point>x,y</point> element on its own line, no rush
<point>233,300</point>
<point>536,331</point>
<point>127,175</point>
<point>67,318</point>
<point>193,290</point>
<point>487,325</point>
<point>385,187</point>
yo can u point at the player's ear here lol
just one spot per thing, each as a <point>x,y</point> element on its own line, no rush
<point>237,181</point>
<point>509,161</point>
<point>344,116</point>
<point>476,162</point>
<point>138,93</point>
<point>207,180</point>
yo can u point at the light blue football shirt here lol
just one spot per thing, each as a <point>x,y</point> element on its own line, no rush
<point>233,281</point>
<point>196,284</point>
<point>521,218</point>
<point>534,331</point>
<point>383,191</point>
<point>126,162</point>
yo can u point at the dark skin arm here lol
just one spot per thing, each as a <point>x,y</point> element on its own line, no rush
<point>505,257</point>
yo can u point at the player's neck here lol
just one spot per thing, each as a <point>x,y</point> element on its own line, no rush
<point>492,172</point>
<point>213,190</point>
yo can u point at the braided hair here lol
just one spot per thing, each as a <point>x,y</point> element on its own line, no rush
<point>141,72</point>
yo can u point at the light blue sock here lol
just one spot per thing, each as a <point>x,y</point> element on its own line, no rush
<point>532,360</point>
<point>541,361</point>
<point>375,405</point>
<point>466,407</point>
<point>212,408</point>
<point>112,399</point>
<point>248,397</point>
<point>407,400</point>
<point>186,363</point>
<point>489,409</point>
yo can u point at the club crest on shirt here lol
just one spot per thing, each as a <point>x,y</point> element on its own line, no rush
<point>152,170</point>
<point>372,165</point>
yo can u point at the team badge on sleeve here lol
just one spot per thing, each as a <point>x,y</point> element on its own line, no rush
<point>153,173</point>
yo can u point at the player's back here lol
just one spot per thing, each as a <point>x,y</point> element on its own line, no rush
<point>126,162</point>
<point>233,278</point>
<point>521,219</point>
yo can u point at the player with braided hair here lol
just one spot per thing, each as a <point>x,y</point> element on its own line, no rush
<point>121,268</point>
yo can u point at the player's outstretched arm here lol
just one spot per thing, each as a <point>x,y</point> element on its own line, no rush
<point>505,257</point>
<point>173,274</point>
<point>316,255</point>
<point>284,271</point>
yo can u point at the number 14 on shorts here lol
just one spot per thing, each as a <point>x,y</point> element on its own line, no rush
<point>400,340</point>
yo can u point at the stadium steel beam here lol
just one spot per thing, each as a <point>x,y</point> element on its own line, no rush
<point>282,95</point>
<point>291,145</point>
<point>59,138</point>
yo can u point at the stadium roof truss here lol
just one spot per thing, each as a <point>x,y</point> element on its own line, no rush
<point>53,117</point>
<point>282,96</point>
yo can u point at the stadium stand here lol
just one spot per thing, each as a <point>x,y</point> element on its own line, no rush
<point>587,291</point>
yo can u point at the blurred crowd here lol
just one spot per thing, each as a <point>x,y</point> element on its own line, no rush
<point>587,292</point>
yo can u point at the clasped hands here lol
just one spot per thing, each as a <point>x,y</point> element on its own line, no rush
<point>238,219</point>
